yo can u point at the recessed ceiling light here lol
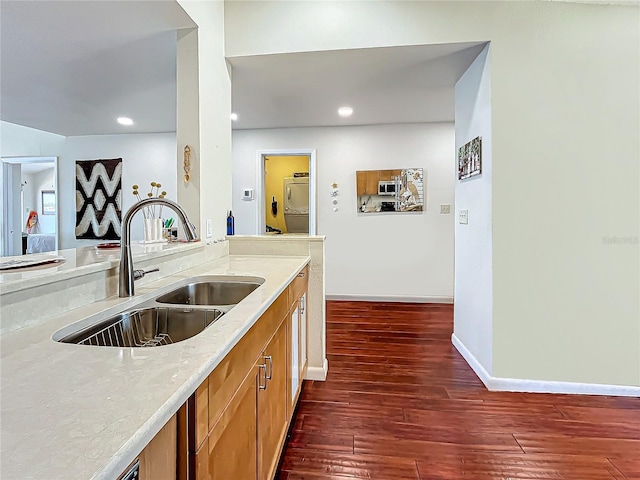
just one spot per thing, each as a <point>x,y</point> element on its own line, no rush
<point>345,111</point>
<point>125,121</point>
<point>234,117</point>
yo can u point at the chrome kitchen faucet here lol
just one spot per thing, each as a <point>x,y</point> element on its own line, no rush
<point>127,275</point>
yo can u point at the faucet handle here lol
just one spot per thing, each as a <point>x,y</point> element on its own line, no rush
<point>139,273</point>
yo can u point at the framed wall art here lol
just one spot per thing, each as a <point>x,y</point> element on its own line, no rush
<point>470,159</point>
<point>99,199</point>
<point>399,190</point>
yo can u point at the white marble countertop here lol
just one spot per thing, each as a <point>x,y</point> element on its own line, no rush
<point>71,411</point>
<point>80,261</point>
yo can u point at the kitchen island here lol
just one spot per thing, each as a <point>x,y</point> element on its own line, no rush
<point>83,412</point>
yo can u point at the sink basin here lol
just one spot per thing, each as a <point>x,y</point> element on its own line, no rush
<point>186,310</point>
<point>145,327</point>
<point>217,291</point>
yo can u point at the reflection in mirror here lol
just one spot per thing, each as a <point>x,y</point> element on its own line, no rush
<point>29,205</point>
<point>390,190</point>
<point>62,93</point>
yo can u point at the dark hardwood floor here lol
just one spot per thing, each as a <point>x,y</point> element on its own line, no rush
<point>401,403</point>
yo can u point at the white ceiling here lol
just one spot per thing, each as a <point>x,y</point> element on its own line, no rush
<point>409,84</point>
<point>72,67</point>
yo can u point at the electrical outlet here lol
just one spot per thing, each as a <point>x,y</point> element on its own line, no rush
<point>463,217</point>
<point>445,209</point>
<point>209,228</point>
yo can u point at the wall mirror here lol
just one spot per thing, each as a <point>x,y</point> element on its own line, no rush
<point>399,190</point>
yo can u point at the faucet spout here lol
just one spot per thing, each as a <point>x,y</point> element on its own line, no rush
<point>126,274</point>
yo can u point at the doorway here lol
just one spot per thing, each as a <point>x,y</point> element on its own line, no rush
<point>29,205</point>
<point>286,192</point>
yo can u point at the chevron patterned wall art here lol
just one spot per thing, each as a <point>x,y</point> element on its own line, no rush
<point>99,199</point>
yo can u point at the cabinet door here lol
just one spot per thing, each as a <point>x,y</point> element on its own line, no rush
<point>158,459</point>
<point>384,175</point>
<point>372,182</point>
<point>294,326</point>
<point>297,351</point>
<point>230,451</point>
<point>303,335</point>
<point>361,183</point>
<point>272,405</point>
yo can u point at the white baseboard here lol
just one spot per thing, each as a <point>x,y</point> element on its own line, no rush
<point>473,362</point>
<point>388,298</point>
<point>318,373</point>
<point>539,386</point>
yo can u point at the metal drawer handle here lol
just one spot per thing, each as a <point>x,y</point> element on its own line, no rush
<point>268,373</point>
<point>301,274</point>
<point>260,385</point>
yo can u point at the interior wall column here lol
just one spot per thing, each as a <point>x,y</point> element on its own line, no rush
<point>188,124</point>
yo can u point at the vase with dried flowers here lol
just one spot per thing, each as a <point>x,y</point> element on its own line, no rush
<point>152,214</point>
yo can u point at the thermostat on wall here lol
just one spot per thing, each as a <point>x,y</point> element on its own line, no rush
<point>247,194</point>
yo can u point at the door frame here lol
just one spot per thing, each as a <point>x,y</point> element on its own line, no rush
<point>7,216</point>
<point>261,221</point>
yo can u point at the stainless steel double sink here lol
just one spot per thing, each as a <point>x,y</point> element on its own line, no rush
<point>180,311</point>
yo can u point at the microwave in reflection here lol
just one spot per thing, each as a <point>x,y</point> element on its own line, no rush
<point>387,188</point>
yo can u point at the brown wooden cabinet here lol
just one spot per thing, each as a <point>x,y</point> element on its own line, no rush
<point>388,175</point>
<point>361,183</point>
<point>367,182</point>
<point>237,420</point>
<point>233,427</point>
<point>297,337</point>
<point>384,175</point>
<point>158,459</point>
<point>229,451</point>
<point>272,418</point>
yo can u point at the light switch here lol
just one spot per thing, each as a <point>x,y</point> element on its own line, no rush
<point>445,209</point>
<point>463,217</point>
<point>209,228</point>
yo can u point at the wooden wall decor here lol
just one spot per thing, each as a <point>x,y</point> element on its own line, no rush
<point>187,163</point>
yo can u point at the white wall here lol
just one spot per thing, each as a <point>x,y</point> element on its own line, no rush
<point>145,158</point>
<point>380,255</point>
<point>473,307</point>
<point>30,198</point>
<point>19,141</point>
<point>11,239</point>
<point>188,124</point>
<point>214,109</point>
<point>35,183</point>
<point>44,181</point>
<point>566,162</point>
